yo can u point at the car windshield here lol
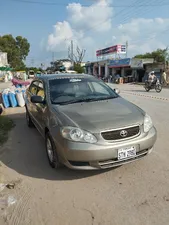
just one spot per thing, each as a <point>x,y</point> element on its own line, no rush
<point>72,90</point>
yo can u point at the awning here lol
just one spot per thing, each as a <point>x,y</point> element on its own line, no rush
<point>3,68</point>
<point>120,66</point>
<point>119,63</point>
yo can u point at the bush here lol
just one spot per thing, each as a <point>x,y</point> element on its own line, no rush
<point>78,68</point>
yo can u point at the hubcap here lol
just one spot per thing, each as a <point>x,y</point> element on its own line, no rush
<point>49,150</point>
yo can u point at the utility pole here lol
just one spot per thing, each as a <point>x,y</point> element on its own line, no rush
<point>165,58</point>
<point>71,53</point>
<point>53,56</point>
<point>32,62</point>
<point>126,48</point>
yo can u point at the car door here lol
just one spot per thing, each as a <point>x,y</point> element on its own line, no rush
<point>40,111</point>
<point>32,90</point>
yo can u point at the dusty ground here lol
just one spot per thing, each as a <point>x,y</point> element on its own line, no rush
<point>134,194</point>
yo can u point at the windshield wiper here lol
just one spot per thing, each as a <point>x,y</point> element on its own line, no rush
<point>107,98</point>
<point>84,100</point>
<point>73,101</point>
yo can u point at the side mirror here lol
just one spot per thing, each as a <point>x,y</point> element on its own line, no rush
<point>37,99</point>
<point>117,91</point>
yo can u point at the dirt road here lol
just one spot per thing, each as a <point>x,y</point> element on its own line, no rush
<point>134,194</point>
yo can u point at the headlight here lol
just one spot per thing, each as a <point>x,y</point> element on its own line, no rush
<point>76,134</point>
<point>147,123</point>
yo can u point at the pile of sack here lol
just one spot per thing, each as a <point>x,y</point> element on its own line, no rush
<point>13,97</point>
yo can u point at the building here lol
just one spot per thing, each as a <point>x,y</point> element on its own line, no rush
<point>131,69</point>
<point>3,59</point>
<point>67,64</point>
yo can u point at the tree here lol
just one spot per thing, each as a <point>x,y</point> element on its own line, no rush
<point>78,56</point>
<point>78,68</point>
<point>160,55</point>
<point>17,50</point>
<point>35,69</point>
<point>58,65</point>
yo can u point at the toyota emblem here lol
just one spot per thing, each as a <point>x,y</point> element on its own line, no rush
<point>123,133</point>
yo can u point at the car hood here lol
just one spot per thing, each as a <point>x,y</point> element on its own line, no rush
<point>100,115</point>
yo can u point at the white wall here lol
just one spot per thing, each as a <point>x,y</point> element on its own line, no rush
<point>3,59</point>
<point>67,65</point>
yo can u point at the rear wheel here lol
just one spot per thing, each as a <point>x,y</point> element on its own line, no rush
<point>51,152</point>
<point>29,120</point>
<point>147,87</point>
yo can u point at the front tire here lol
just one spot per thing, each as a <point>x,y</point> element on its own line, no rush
<point>29,120</point>
<point>51,152</point>
<point>158,88</point>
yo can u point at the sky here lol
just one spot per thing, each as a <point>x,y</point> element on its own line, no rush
<point>50,25</point>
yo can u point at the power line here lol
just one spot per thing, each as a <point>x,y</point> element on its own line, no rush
<point>151,38</point>
<point>116,15</point>
<point>139,12</point>
<point>65,4</point>
<point>119,13</point>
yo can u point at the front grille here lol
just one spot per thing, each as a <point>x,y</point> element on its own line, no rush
<point>121,133</point>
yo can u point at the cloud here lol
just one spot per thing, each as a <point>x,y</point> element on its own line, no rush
<point>144,35</point>
<point>93,27</point>
<point>83,18</point>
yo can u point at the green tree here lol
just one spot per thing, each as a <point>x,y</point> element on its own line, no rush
<point>78,68</point>
<point>160,55</point>
<point>17,50</point>
<point>35,69</point>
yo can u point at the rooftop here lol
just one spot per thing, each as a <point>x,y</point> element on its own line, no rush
<point>60,75</point>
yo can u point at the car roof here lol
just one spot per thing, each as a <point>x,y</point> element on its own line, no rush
<point>60,76</point>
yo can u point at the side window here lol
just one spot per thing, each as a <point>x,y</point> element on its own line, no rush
<point>99,88</point>
<point>41,91</point>
<point>34,88</point>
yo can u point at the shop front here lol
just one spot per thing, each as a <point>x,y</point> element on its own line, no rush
<point>141,67</point>
<point>89,67</point>
<point>120,68</point>
<point>96,69</point>
<point>138,70</point>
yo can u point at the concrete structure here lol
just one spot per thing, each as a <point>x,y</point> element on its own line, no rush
<point>3,59</point>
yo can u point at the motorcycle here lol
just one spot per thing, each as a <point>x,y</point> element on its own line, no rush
<point>149,86</point>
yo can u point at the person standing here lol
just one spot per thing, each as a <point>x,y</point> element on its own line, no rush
<point>164,78</point>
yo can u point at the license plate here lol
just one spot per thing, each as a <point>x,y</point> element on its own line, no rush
<point>125,153</point>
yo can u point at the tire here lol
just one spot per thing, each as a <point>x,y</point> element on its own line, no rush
<point>147,87</point>
<point>51,152</point>
<point>29,120</point>
<point>158,88</point>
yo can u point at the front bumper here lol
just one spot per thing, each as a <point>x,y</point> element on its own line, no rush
<point>84,156</point>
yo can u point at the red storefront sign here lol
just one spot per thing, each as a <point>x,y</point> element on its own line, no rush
<point>112,49</point>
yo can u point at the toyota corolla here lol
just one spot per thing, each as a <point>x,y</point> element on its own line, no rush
<point>86,124</point>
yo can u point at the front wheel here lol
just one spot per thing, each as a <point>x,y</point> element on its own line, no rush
<point>158,88</point>
<point>51,152</point>
<point>29,120</point>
